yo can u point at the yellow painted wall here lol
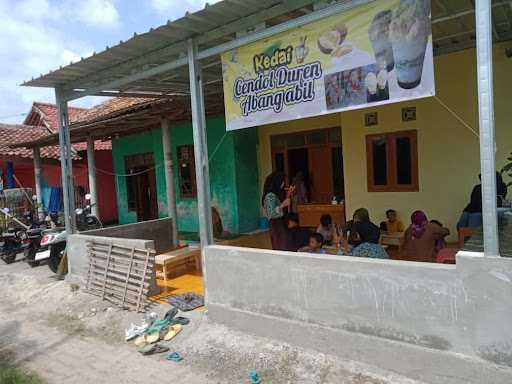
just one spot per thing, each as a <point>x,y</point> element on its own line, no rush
<point>448,152</point>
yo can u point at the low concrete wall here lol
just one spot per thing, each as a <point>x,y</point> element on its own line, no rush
<point>436,323</point>
<point>78,261</point>
<point>159,231</point>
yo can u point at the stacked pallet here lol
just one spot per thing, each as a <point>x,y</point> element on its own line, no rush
<point>120,274</point>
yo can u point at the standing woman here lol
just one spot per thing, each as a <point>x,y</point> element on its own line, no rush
<point>274,204</point>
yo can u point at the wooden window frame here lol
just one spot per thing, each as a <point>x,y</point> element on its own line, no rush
<point>393,185</point>
<point>191,163</point>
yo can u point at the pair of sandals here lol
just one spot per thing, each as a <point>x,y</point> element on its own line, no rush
<point>153,336</point>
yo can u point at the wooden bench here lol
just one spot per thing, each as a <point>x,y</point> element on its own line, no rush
<point>177,258</point>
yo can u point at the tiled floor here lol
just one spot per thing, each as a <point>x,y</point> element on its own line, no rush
<point>188,281</point>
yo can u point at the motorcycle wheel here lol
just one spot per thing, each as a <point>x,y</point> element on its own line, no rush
<point>56,254</point>
<point>30,255</point>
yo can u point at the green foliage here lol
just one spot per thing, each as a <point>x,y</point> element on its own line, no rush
<point>14,375</point>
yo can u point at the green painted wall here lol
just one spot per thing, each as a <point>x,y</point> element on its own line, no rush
<point>233,174</point>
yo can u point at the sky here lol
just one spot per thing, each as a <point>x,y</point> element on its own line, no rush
<point>40,35</point>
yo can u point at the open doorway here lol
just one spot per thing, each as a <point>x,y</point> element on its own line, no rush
<point>318,155</point>
<point>141,186</point>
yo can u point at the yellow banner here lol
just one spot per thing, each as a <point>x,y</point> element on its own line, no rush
<point>370,55</point>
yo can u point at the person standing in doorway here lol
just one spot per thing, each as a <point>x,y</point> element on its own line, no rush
<point>275,200</point>
<point>300,195</point>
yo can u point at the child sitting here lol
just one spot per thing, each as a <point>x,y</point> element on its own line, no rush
<point>297,237</point>
<point>316,241</point>
<point>327,229</point>
<point>393,224</point>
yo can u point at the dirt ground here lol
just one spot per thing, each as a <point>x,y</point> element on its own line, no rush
<point>66,335</point>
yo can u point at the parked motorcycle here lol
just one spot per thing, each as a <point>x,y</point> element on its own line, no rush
<point>53,243</point>
<point>32,241</point>
<point>12,238</point>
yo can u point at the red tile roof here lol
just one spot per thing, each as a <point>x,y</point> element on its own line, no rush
<point>45,115</point>
<point>48,115</point>
<point>11,134</point>
<point>114,105</point>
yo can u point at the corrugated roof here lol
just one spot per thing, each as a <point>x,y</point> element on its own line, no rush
<point>453,29</point>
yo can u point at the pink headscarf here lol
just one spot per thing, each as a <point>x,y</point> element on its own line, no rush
<point>419,224</point>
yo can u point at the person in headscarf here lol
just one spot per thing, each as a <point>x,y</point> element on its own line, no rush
<point>275,200</point>
<point>362,215</point>
<point>362,241</point>
<point>421,238</point>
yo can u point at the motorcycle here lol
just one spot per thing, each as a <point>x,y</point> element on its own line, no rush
<point>53,243</point>
<point>12,239</point>
<point>32,240</point>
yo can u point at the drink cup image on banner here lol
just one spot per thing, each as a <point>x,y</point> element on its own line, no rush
<point>373,54</point>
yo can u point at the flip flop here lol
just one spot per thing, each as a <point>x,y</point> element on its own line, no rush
<point>152,349</point>
<point>180,320</point>
<point>152,337</point>
<point>169,315</point>
<point>140,341</point>
<point>173,331</point>
<point>174,356</point>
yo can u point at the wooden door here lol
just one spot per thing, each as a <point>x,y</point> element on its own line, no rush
<point>147,206</point>
<point>320,174</point>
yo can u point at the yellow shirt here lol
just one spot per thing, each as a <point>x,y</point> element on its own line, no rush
<point>394,227</point>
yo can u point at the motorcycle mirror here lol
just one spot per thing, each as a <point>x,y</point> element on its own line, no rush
<point>88,196</point>
<point>79,211</point>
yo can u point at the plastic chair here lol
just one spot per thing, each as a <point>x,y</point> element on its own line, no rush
<point>463,233</point>
<point>446,256</point>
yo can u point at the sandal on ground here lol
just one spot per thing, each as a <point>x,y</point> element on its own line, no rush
<point>173,331</point>
<point>180,320</point>
<point>152,349</point>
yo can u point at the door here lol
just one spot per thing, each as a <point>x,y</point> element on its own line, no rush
<point>141,186</point>
<point>320,174</point>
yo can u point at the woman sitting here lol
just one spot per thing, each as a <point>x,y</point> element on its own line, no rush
<point>362,241</point>
<point>421,239</point>
<point>361,215</point>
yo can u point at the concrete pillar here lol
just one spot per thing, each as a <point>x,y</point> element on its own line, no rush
<point>37,175</point>
<point>169,179</point>
<point>200,148</point>
<point>91,169</point>
<point>66,163</point>
<point>486,119</point>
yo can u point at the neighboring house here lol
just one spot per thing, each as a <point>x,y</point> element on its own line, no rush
<point>44,116</point>
<point>17,164</point>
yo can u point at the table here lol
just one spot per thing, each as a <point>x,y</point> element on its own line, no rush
<point>177,258</point>
<point>393,239</point>
<point>309,214</point>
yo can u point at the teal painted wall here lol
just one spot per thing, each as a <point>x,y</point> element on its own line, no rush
<point>233,174</point>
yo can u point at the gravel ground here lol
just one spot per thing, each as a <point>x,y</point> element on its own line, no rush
<point>64,334</point>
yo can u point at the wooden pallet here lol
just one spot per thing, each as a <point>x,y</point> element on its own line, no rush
<point>120,274</point>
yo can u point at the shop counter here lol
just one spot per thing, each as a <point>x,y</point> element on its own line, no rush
<point>309,214</point>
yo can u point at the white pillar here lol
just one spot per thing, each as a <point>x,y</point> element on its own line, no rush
<point>200,148</point>
<point>91,169</point>
<point>66,162</point>
<point>169,179</point>
<point>486,115</point>
<point>37,175</point>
